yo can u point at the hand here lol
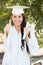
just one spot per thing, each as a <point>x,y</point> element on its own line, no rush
<point>26,31</point>
<point>40,51</point>
<point>6,29</point>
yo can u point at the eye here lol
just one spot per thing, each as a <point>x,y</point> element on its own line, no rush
<point>14,16</point>
<point>19,16</point>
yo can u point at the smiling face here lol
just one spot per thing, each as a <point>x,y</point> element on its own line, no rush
<point>17,19</point>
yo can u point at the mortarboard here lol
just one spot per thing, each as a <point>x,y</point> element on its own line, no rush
<point>17,9</point>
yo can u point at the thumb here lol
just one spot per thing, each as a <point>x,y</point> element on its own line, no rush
<point>10,21</point>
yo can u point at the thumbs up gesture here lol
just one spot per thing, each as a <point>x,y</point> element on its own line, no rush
<point>7,27</point>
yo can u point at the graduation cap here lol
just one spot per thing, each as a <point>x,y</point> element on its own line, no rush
<point>17,9</point>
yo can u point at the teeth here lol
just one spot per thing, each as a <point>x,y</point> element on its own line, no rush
<point>17,22</point>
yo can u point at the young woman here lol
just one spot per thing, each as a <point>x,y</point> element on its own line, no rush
<point>18,45</point>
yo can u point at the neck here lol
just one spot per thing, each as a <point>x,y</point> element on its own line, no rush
<point>18,28</point>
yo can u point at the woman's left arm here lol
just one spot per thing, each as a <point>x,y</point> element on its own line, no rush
<point>33,43</point>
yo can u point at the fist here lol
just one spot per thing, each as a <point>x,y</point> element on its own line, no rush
<point>26,31</point>
<point>7,28</point>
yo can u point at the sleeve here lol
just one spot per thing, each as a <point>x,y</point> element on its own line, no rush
<point>7,41</point>
<point>33,44</point>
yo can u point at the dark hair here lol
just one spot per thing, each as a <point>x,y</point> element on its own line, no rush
<point>22,33</point>
<point>23,24</point>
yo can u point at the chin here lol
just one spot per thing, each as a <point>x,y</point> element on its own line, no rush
<point>17,25</point>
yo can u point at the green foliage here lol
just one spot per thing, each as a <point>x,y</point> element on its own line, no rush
<point>40,42</point>
<point>31,19</point>
<point>35,12</point>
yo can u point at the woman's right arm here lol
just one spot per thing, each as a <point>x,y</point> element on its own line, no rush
<point>6,32</point>
<point>6,29</point>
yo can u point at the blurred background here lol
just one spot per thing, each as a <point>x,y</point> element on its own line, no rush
<point>34,16</point>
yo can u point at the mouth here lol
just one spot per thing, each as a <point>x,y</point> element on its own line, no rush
<point>17,22</point>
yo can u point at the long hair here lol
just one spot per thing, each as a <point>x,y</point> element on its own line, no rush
<point>22,33</point>
<point>23,24</point>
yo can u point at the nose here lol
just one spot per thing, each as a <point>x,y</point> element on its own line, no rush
<point>17,19</point>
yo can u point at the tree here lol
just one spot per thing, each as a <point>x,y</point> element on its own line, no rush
<point>35,11</point>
